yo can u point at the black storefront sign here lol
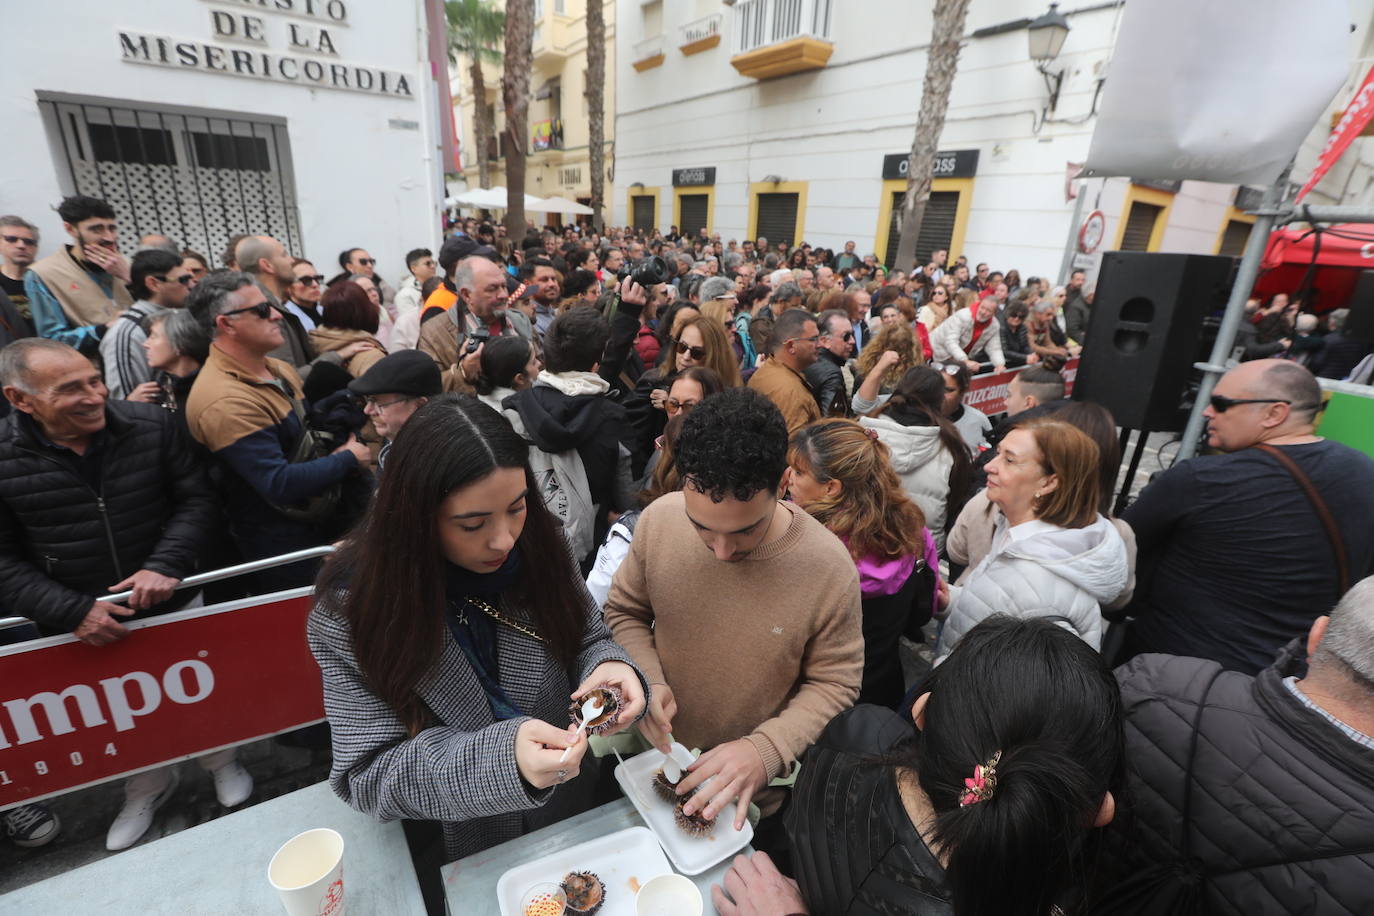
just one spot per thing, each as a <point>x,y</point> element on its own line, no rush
<point>959,163</point>
<point>691,177</point>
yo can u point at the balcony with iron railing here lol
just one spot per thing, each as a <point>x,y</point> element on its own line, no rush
<point>699,35</point>
<point>779,37</point>
<point>647,54</point>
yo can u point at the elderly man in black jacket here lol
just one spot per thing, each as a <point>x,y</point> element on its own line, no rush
<point>99,496</point>
<point>1254,793</point>
<point>829,376</point>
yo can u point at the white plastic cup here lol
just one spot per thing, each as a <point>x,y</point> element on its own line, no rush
<point>668,895</point>
<point>308,873</point>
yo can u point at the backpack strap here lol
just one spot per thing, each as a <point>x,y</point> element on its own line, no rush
<point>1333,533</point>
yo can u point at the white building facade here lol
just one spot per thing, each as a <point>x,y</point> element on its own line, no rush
<point>314,121</point>
<point>795,119</point>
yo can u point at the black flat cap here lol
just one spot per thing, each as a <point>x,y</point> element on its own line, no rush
<point>403,372</point>
<point>458,247</point>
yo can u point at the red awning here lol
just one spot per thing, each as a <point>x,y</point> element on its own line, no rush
<point>1339,253</point>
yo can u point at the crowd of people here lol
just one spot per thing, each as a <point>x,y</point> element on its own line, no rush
<point>725,481</point>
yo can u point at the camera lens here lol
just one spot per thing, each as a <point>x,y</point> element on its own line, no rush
<point>651,271</point>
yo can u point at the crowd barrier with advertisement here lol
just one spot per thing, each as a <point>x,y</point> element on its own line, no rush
<point>178,686</point>
<point>988,392</point>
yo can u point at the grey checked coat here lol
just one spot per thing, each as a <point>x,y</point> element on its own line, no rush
<point>461,772</point>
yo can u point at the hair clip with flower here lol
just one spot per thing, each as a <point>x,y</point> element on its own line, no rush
<point>983,784</point>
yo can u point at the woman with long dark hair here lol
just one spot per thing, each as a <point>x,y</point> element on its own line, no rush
<point>453,631</point>
<point>928,453</point>
<point>839,473</point>
<point>990,808</point>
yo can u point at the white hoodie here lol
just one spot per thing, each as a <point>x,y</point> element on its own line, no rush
<point>923,463</point>
<point>1041,570</point>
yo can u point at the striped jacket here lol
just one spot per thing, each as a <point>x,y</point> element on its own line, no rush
<point>460,771</point>
<point>126,362</point>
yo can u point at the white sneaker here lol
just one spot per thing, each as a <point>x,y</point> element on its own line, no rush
<point>136,816</point>
<point>233,784</point>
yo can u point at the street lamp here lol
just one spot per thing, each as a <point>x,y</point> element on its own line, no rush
<point>1046,36</point>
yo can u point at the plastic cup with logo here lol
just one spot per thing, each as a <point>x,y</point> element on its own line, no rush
<point>668,894</point>
<point>308,873</point>
<point>544,900</point>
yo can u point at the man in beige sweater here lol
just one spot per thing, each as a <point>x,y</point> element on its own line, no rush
<point>742,611</point>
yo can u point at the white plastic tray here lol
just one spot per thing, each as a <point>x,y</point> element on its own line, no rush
<point>623,861</point>
<point>690,855</point>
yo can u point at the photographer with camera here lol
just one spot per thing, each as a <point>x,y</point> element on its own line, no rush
<point>454,340</point>
<point>246,408</point>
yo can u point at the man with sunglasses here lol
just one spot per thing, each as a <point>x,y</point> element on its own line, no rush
<point>792,347</point>
<point>1235,559</point>
<point>158,283</point>
<point>76,293</point>
<point>830,376</point>
<point>18,251</point>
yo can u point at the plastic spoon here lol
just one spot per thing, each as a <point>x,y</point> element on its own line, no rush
<point>590,710</point>
<point>673,767</point>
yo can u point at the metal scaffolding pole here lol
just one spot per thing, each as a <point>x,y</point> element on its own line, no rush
<point>1215,367</point>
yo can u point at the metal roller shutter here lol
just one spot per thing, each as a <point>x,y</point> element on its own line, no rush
<point>1140,224</point>
<point>1234,238</point>
<point>777,218</point>
<point>693,210</point>
<point>937,226</point>
<point>644,215</point>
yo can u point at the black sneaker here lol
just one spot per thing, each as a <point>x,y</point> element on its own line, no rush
<point>31,825</point>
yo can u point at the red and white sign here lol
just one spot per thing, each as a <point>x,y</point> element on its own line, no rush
<point>178,686</point>
<point>1351,124</point>
<point>988,392</point>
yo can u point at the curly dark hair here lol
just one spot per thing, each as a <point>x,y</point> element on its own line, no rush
<point>733,444</point>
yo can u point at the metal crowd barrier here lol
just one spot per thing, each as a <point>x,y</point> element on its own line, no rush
<point>214,575</point>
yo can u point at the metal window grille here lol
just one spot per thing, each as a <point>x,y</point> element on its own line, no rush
<point>693,207</point>
<point>1233,239</point>
<point>197,177</point>
<point>937,226</point>
<point>1140,225</point>
<point>777,220</point>
<point>644,215</point>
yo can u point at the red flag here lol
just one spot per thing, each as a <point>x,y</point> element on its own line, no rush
<point>1352,122</point>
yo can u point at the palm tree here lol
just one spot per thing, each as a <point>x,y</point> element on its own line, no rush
<point>515,92</point>
<point>596,105</point>
<point>474,32</point>
<point>942,60</point>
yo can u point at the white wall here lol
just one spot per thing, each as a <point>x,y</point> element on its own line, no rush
<point>358,180</point>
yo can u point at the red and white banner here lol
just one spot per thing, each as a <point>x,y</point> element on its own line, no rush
<point>988,393</point>
<point>1350,125</point>
<point>178,686</point>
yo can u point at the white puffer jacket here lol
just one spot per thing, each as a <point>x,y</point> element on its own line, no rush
<point>1042,570</point>
<point>923,463</point>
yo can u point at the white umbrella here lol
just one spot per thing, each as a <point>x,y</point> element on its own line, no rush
<point>483,198</point>
<point>562,205</point>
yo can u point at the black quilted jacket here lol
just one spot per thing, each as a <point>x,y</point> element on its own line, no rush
<point>1283,801</point>
<point>62,543</point>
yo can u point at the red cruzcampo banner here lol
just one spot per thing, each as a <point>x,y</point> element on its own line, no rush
<point>1352,122</point>
<point>179,685</point>
<point>988,393</point>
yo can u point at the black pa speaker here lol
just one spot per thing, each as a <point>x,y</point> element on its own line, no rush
<point>1360,324</point>
<point>1148,329</point>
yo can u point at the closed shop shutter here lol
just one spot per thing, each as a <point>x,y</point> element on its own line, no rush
<point>937,226</point>
<point>644,215</point>
<point>1140,224</point>
<point>693,210</point>
<point>1234,238</point>
<point>777,218</point>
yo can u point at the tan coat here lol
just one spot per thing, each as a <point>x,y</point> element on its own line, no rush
<point>788,390</point>
<point>82,300</point>
<point>330,340</point>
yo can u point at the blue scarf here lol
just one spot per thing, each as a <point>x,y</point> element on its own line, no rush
<point>475,632</point>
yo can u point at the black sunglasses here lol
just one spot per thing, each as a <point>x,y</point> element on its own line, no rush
<point>367,262</point>
<point>186,280</point>
<point>310,279</point>
<point>1221,403</point>
<point>263,310</point>
<point>698,353</point>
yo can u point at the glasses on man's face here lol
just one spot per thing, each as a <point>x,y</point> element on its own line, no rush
<point>814,338</point>
<point>674,405</point>
<point>263,310</point>
<point>184,279</point>
<point>698,353</point>
<point>1221,403</point>
<point>20,240</point>
<point>369,401</point>
<point>310,280</point>
<point>367,262</point>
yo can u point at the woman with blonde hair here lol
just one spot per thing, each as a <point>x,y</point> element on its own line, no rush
<point>964,299</point>
<point>1053,553</point>
<point>840,474</point>
<point>882,363</point>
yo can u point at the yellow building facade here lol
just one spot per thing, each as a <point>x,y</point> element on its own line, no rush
<point>558,129</point>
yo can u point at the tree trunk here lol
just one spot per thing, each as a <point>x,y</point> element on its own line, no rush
<point>596,106</point>
<point>515,93</point>
<point>942,60</point>
<point>481,123</point>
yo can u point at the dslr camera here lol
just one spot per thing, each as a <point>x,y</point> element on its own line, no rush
<point>476,339</point>
<point>648,272</point>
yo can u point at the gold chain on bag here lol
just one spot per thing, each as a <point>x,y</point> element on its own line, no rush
<point>496,615</point>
